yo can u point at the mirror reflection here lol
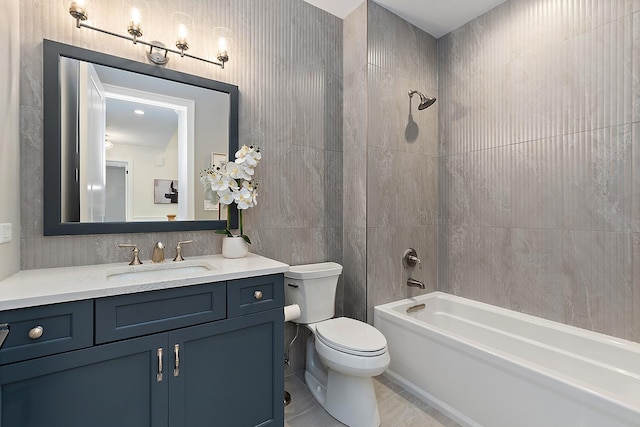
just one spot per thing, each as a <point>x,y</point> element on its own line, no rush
<point>136,145</point>
<point>124,143</point>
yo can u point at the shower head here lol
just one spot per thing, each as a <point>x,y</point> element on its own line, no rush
<point>425,101</point>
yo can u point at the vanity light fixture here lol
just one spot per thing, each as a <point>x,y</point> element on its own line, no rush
<point>135,28</point>
<point>223,37</point>
<point>158,52</point>
<point>181,43</point>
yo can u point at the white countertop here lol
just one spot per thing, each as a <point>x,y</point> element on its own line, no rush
<point>55,285</point>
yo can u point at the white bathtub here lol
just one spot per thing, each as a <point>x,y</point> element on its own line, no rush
<point>486,366</point>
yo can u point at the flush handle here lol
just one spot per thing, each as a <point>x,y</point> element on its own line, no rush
<point>257,295</point>
<point>36,332</point>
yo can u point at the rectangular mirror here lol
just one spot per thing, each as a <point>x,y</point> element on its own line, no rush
<point>125,141</point>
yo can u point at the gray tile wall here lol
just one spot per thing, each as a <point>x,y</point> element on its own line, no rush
<point>401,156</point>
<point>286,59</point>
<point>354,277</point>
<point>9,141</point>
<point>390,159</point>
<point>539,169</point>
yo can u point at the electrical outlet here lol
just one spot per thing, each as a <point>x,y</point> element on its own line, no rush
<point>5,233</point>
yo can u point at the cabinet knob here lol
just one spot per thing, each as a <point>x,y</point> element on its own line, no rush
<point>257,294</point>
<point>35,333</point>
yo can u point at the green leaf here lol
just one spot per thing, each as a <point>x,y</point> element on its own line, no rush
<point>225,232</point>
<point>246,238</point>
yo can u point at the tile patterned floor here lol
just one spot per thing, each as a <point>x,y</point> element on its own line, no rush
<point>398,407</point>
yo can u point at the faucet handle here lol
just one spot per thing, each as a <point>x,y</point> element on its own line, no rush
<point>136,252</point>
<point>410,258</point>
<point>178,256</point>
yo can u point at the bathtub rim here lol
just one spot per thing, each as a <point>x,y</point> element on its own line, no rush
<point>496,357</point>
<point>585,333</point>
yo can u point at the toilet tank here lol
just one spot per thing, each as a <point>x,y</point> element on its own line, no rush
<point>313,288</point>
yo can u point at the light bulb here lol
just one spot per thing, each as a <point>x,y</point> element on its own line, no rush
<point>134,27</point>
<point>183,32</point>
<point>136,19</point>
<point>182,22</point>
<point>222,44</point>
<point>224,39</point>
<point>182,43</point>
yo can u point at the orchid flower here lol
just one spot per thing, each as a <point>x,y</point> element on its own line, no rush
<point>232,183</point>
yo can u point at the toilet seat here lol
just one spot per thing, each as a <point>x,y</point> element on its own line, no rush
<point>351,336</point>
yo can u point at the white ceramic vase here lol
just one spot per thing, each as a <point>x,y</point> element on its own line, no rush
<point>234,247</point>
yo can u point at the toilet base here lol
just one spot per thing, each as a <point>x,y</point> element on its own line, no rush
<point>347,398</point>
<point>352,400</point>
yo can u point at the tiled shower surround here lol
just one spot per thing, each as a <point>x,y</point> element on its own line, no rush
<point>539,167</point>
<point>390,158</point>
<point>520,187</point>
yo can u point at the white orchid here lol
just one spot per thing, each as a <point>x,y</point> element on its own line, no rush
<point>249,155</point>
<point>208,191</point>
<point>226,197</point>
<point>243,198</point>
<point>253,189</point>
<point>237,171</point>
<point>249,170</point>
<point>247,197</point>
<point>233,183</point>
<point>218,181</point>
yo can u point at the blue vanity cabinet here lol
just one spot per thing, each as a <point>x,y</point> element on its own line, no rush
<point>104,386</point>
<point>44,330</point>
<point>228,373</point>
<point>219,347</point>
<point>232,372</point>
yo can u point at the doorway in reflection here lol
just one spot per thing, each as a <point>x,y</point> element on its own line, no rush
<point>116,191</point>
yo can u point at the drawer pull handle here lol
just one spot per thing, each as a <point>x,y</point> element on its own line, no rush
<point>36,332</point>
<point>176,367</point>
<point>159,375</point>
<point>257,294</point>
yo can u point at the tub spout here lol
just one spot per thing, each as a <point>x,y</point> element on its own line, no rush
<point>415,283</point>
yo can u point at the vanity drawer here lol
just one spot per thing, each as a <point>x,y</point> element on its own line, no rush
<point>127,316</point>
<point>53,329</point>
<point>246,296</point>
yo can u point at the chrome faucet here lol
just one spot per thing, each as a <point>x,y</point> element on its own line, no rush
<point>158,253</point>
<point>415,283</point>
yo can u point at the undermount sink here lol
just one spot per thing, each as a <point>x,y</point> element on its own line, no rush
<point>161,271</point>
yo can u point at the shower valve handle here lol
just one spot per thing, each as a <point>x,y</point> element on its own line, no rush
<point>410,258</point>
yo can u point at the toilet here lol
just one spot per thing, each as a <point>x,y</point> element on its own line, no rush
<point>342,354</point>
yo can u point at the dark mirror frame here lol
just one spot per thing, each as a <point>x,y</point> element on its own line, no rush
<point>53,225</point>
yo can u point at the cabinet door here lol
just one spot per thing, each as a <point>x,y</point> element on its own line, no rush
<point>109,385</point>
<point>230,373</point>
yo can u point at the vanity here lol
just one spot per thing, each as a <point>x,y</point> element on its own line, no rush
<point>193,343</point>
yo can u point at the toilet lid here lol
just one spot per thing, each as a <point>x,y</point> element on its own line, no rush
<point>351,336</point>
